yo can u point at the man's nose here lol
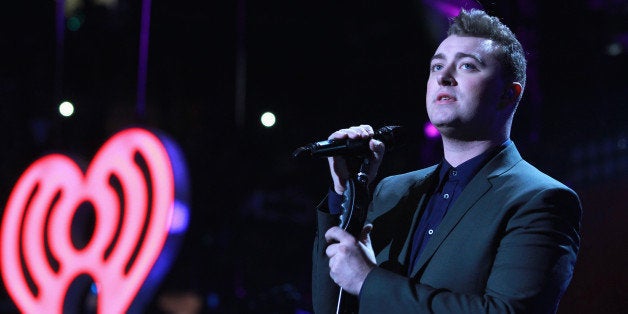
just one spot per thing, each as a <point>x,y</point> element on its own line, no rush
<point>446,78</point>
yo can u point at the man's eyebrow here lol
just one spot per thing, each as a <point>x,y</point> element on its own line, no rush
<point>438,56</point>
<point>475,57</point>
<point>459,56</point>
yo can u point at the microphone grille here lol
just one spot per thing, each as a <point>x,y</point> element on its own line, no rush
<point>392,136</point>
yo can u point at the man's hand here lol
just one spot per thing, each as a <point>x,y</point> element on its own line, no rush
<point>350,261</point>
<point>337,164</point>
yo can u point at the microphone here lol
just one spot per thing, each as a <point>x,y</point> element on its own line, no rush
<point>391,136</point>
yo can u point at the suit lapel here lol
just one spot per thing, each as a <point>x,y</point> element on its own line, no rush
<point>415,203</point>
<point>475,190</point>
<point>403,255</point>
<point>467,199</point>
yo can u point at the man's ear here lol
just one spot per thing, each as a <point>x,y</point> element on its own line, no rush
<point>511,94</point>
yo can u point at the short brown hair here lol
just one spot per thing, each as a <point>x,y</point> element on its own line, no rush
<point>476,23</point>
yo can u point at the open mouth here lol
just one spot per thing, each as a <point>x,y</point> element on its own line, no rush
<point>445,97</point>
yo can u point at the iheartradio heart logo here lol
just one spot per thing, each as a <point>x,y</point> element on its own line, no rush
<point>130,187</point>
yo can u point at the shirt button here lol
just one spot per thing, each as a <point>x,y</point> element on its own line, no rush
<point>430,232</point>
<point>454,173</point>
<point>445,196</point>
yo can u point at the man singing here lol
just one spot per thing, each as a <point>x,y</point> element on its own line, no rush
<point>483,231</point>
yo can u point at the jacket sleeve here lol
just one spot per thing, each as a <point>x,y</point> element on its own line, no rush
<point>324,290</point>
<point>532,267</point>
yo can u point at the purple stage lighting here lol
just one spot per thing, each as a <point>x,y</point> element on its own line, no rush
<point>180,218</point>
<point>430,131</point>
<point>451,8</point>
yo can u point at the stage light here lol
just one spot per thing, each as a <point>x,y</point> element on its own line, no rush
<point>268,119</point>
<point>614,49</point>
<point>73,23</point>
<point>213,300</point>
<point>66,109</point>
<point>430,131</point>
<point>180,217</point>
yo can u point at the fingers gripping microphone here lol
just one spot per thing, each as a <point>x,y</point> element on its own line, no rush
<point>391,136</point>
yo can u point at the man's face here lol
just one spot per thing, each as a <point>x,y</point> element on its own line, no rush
<point>465,88</point>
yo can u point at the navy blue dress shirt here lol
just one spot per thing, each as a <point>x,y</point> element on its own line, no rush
<point>451,182</point>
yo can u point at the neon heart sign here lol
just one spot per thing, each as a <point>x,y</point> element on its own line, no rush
<point>131,187</point>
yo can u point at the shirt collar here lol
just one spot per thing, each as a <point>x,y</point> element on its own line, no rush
<point>467,170</point>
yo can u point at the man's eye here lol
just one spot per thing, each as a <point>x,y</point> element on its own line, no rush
<point>436,67</point>
<point>468,66</point>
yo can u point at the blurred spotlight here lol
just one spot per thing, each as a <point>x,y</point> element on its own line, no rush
<point>74,23</point>
<point>268,119</point>
<point>430,131</point>
<point>107,3</point>
<point>213,300</point>
<point>180,217</point>
<point>451,8</point>
<point>614,49</point>
<point>66,109</point>
<point>180,302</point>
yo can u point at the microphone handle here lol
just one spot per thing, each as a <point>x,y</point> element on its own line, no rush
<point>340,147</point>
<point>390,135</point>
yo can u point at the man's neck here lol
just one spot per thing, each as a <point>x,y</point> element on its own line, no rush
<point>457,151</point>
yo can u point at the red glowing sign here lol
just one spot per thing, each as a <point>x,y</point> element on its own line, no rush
<point>132,217</point>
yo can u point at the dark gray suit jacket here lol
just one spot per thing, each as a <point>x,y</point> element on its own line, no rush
<point>507,245</point>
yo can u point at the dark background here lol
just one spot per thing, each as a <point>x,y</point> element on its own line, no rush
<point>318,66</point>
